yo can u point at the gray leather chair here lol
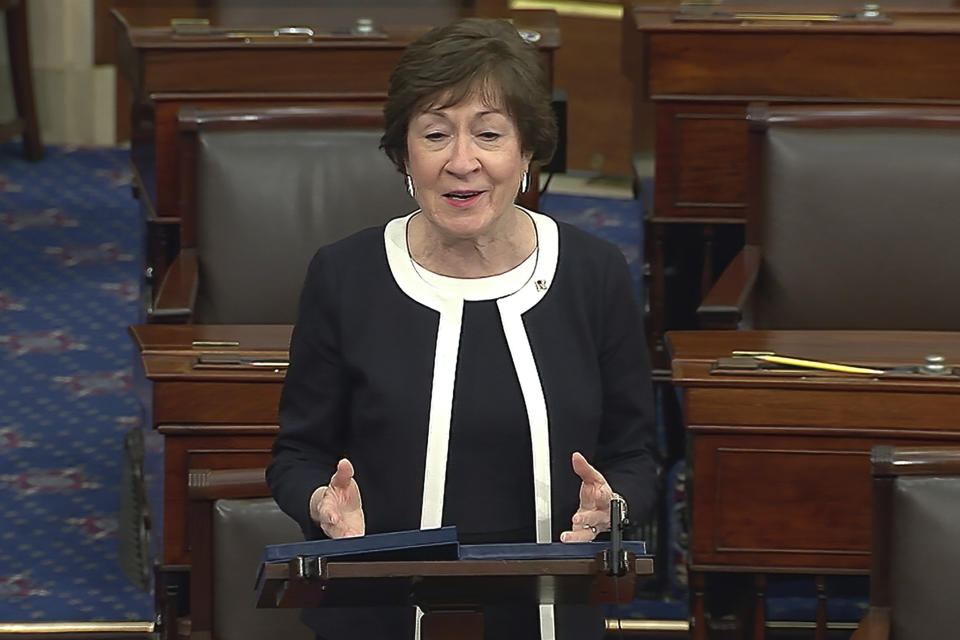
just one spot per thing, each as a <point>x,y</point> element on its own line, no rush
<point>851,223</point>
<point>914,588</point>
<point>232,518</point>
<point>262,190</point>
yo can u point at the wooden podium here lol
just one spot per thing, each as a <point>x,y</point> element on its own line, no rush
<point>450,592</point>
<point>781,459</point>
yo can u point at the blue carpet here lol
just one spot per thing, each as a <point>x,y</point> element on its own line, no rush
<point>70,259</point>
<point>69,263</point>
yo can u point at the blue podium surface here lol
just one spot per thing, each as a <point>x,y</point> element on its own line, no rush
<point>435,544</point>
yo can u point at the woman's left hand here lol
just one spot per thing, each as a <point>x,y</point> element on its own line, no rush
<point>593,516</point>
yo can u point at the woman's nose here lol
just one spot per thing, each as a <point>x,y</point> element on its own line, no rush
<point>463,157</point>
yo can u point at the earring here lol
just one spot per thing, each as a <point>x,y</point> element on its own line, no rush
<point>524,182</point>
<point>410,188</point>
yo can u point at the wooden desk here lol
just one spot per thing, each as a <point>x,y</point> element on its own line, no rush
<point>781,463</point>
<point>700,76</point>
<point>167,70</point>
<point>219,417</point>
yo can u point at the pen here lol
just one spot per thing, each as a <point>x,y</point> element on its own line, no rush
<point>815,364</point>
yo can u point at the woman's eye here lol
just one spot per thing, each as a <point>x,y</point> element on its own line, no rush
<point>435,136</point>
<point>489,136</point>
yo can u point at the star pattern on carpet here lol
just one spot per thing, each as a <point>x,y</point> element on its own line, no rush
<point>41,342</point>
<point>52,217</point>
<point>48,481</point>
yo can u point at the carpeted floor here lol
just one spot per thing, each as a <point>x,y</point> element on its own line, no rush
<point>70,259</point>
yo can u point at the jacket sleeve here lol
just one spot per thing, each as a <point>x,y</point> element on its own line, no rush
<point>627,441</point>
<point>313,403</point>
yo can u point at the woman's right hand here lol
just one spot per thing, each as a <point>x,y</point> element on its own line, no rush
<point>336,508</point>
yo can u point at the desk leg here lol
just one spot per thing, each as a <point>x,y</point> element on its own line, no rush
<point>759,608</point>
<point>821,631</point>
<point>171,607</point>
<point>698,582</point>
<point>657,295</point>
<point>706,277</point>
<point>452,625</point>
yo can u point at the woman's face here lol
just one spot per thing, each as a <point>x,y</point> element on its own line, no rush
<point>466,165</point>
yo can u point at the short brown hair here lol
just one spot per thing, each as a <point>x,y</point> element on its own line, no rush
<point>471,55</point>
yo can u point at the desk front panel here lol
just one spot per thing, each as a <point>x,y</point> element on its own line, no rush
<point>806,408</point>
<point>762,501</point>
<point>795,501</point>
<point>186,402</point>
<point>700,160</point>
<point>268,69</point>
<point>822,65</point>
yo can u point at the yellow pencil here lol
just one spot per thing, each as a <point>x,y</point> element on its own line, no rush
<point>815,364</point>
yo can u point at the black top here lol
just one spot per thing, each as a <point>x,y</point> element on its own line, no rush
<point>488,484</point>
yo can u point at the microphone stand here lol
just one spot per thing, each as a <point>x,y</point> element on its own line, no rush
<point>615,558</point>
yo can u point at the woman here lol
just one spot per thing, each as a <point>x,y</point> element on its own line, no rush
<point>462,364</point>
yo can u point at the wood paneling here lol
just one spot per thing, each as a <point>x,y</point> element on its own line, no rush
<point>699,168</point>
<point>599,96</point>
<point>806,62</point>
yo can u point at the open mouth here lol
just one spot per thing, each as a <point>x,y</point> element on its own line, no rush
<point>462,195</point>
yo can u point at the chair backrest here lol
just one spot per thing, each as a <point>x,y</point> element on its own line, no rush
<point>916,557</point>
<point>856,213</point>
<point>265,188</point>
<point>232,518</point>
<point>241,529</point>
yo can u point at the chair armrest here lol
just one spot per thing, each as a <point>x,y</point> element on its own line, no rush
<point>723,306</point>
<point>214,484</point>
<point>176,299</point>
<point>874,626</point>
